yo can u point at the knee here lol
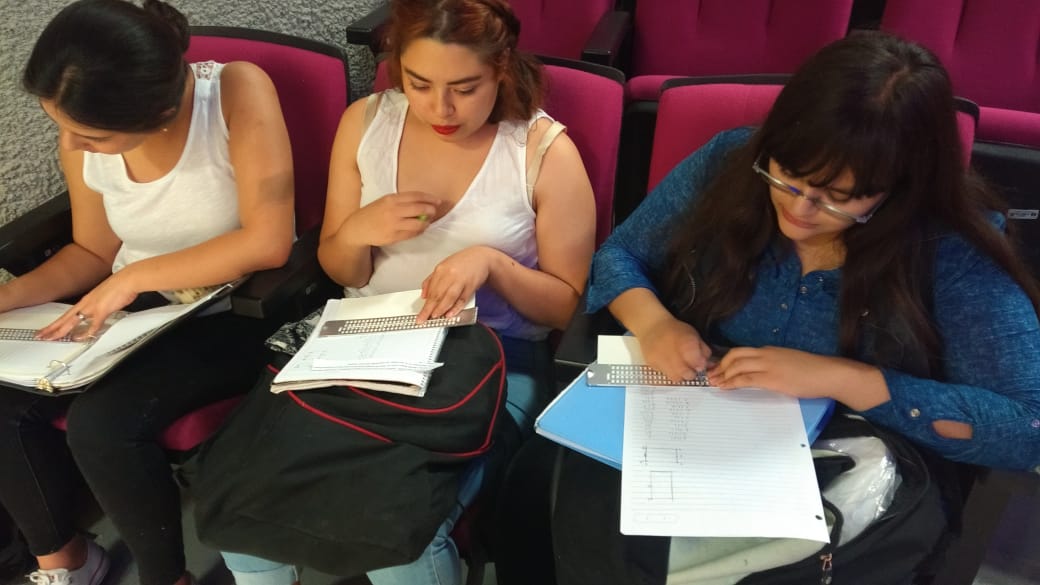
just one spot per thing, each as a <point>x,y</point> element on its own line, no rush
<point>93,421</point>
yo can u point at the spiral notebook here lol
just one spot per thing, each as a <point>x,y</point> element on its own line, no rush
<point>371,342</point>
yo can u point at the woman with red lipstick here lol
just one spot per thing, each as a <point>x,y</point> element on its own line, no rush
<point>841,250</point>
<point>456,182</point>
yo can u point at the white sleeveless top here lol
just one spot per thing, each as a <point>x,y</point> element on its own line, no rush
<point>494,211</point>
<point>196,201</point>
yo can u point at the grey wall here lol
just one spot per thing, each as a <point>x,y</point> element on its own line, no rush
<point>29,172</point>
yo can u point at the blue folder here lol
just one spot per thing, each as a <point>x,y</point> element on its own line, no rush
<point>591,419</point>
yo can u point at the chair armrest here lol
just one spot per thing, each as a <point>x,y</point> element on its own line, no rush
<point>291,291</point>
<point>369,30</point>
<point>31,238</point>
<point>577,348</point>
<point>605,42</point>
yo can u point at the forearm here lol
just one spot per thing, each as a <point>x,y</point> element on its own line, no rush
<point>639,310</point>
<point>73,270</point>
<point>346,262</point>
<point>215,261</point>
<point>539,296</point>
<point>857,385</point>
<point>1002,418</point>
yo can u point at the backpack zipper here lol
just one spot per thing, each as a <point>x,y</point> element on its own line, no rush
<point>825,568</point>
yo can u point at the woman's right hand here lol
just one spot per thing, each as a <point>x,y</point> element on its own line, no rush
<point>392,218</point>
<point>85,318</point>
<point>675,349</point>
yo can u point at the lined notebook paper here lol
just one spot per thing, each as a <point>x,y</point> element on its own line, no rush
<point>369,342</point>
<point>707,462</point>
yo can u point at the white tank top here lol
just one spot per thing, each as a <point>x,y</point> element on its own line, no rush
<point>196,201</point>
<point>494,211</point>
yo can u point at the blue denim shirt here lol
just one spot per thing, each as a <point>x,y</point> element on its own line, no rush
<point>989,330</point>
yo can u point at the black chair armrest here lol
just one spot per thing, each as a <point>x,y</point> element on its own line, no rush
<point>604,44</point>
<point>291,291</point>
<point>577,348</point>
<point>35,236</point>
<point>369,30</point>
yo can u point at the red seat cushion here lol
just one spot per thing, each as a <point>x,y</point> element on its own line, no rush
<point>190,430</point>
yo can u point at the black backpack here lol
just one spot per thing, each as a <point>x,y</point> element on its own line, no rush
<point>893,550</point>
<point>346,480</point>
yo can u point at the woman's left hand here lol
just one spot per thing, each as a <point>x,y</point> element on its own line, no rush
<point>454,281</point>
<point>788,371</point>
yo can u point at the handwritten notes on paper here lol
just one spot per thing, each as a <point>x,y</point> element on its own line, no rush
<point>707,462</point>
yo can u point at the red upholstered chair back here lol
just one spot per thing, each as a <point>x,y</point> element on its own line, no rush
<point>689,115</point>
<point>559,28</point>
<point>313,88</point>
<point>588,99</point>
<point>990,49</point>
<point>729,37</point>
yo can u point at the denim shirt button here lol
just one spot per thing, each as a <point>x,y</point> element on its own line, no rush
<point>777,330</point>
<point>1036,469</point>
<point>803,290</point>
<point>1035,424</point>
<point>915,412</point>
<point>783,306</point>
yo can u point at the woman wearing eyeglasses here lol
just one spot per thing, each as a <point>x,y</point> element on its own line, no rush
<point>840,251</point>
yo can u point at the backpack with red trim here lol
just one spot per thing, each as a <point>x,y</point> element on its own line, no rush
<point>347,480</point>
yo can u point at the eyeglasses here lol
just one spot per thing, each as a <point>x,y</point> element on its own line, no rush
<point>816,201</point>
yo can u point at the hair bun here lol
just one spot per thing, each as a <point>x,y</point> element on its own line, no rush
<point>177,22</point>
<point>506,15</point>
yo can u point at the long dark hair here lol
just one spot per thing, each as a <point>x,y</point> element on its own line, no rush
<point>489,28</point>
<point>112,65</point>
<point>882,108</point>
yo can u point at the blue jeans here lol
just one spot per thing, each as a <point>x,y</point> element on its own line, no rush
<point>528,383</point>
<point>250,570</point>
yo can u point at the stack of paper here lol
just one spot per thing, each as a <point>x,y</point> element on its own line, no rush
<point>371,342</point>
<point>696,461</point>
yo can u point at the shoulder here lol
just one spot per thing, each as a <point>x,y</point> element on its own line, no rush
<point>560,157</point>
<point>722,144</point>
<point>352,122</point>
<point>955,256</point>
<point>695,172</point>
<point>247,91</point>
<point>239,78</point>
<point>561,146</point>
<point>536,126</point>
<point>963,270</point>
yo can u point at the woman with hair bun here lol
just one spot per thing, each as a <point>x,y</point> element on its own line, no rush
<point>456,182</point>
<point>180,178</point>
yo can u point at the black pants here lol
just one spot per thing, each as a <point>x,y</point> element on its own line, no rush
<point>15,560</point>
<point>113,432</point>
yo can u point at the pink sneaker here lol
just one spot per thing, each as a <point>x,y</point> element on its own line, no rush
<point>92,572</point>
